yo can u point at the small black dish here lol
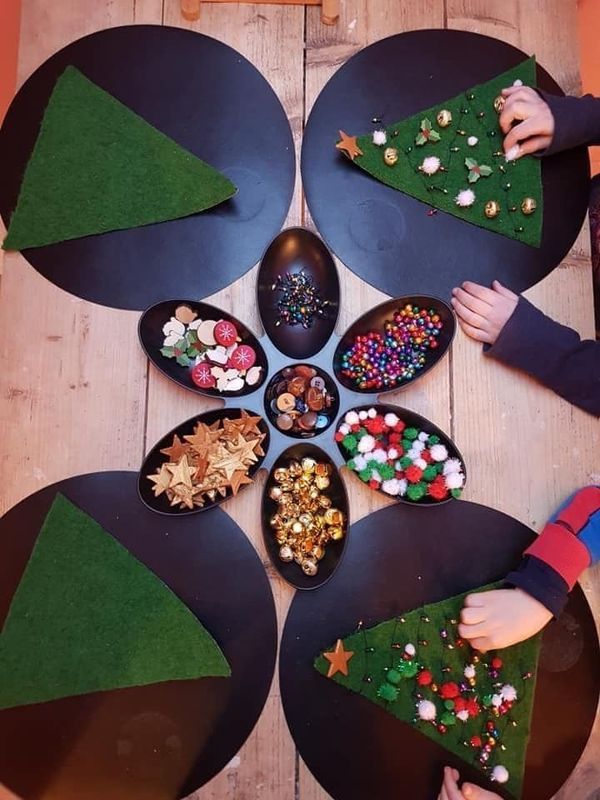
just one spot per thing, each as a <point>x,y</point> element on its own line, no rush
<point>374,320</point>
<point>298,250</point>
<point>155,459</point>
<point>412,420</point>
<point>151,338</point>
<point>291,571</point>
<point>277,387</point>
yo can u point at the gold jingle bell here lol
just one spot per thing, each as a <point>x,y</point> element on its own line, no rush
<point>390,156</point>
<point>529,205</point>
<point>492,209</point>
<point>499,103</point>
<point>285,553</point>
<point>309,567</point>
<point>444,118</point>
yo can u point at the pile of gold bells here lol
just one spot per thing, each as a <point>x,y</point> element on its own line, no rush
<point>210,462</point>
<point>305,521</point>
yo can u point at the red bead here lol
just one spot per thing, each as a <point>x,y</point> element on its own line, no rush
<point>475,741</point>
<point>497,663</point>
<point>424,678</point>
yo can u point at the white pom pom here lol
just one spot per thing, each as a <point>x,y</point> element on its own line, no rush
<point>500,774</point>
<point>360,462</point>
<point>362,415</point>
<point>375,476</point>
<point>351,418</point>
<point>455,480</point>
<point>430,165</point>
<point>423,436</point>
<point>379,137</point>
<point>379,455</point>
<point>372,413</point>
<point>465,198</point>
<point>452,465</point>
<point>496,700</point>
<point>439,452</point>
<point>420,462</point>
<point>410,650</point>
<point>403,486</point>
<point>393,454</point>
<point>518,82</point>
<point>366,444</point>
<point>418,446</point>
<point>344,428</point>
<point>412,453</point>
<point>391,420</point>
<point>469,671</point>
<point>391,486</point>
<point>463,716</point>
<point>472,141</point>
<point>426,710</point>
<point>508,693</point>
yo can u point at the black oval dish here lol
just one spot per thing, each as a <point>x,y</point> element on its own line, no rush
<point>155,458</point>
<point>151,338</point>
<point>295,250</point>
<point>414,420</point>
<point>374,319</point>
<point>290,571</point>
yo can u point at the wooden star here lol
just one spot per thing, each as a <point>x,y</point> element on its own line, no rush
<point>201,464</point>
<point>181,473</point>
<point>250,423</point>
<point>184,495</point>
<point>349,146</point>
<point>202,438</point>
<point>338,659</point>
<point>161,480</point>
<point>238,479</point>
<point>177,449</point>
<point>243,449</point>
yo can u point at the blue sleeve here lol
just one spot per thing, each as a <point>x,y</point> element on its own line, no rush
<point>576,122</point>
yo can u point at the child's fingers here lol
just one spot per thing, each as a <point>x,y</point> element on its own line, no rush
<point>510,90</point>
<point>472,302</point>
<point>482,292</point>
<point>481,643</point>
<point>533,144</point>
<point>475,333</point>
<point>521,133</point>
<point>450,785</point>
<point>515,109</point>
<point>476,320</point>
<point>474,631</point>
<point>498,287</point>
<point>472,616</point>
<point>475,600</point>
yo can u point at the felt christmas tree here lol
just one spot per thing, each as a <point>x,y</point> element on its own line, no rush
<point>417,668</point>
<point>450,156</point>
<point>88,617</point>
<point>97,166</point>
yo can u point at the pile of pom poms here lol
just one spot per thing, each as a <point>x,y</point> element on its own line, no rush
<point>398,460</point>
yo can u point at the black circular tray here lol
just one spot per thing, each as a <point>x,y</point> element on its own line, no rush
<point>387,237</point>
<point>209,99</point>
<point>162,740</point>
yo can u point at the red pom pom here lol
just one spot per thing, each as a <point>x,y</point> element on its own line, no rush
<point>497,663</point>
<point>374,484</point>
<point>338,436</point>
<point>399,474</point>
<point>399,426</point>
<point>476,741</point>
<point>394,438</point>
<point>448,691</point>
<point>472,707</point>
<point>437,490</point>
<point>424,678</point>
<point>375,426</point>
<point>426,456</point>
<point>460,704</point>
<point>355,428</point>
<point>413,474</point>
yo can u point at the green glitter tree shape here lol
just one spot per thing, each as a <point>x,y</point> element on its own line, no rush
<point>416,664</point>
<point>464,134</point>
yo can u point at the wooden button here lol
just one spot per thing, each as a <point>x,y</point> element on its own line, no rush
<point>286,402</point>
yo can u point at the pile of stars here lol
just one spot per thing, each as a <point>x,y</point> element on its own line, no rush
<point>398,460</point>
<point>379,360</point>
<point>300,300</point>
<point>305,520</point>
<point>211,462</point>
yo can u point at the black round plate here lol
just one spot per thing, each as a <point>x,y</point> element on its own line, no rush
<point>298,250</point>
<point>151,338</point>
<point>167,739</point>
<point>396,560</point>
<point>292,572</point>
<point>210,100</point>
<point>374,320</point>
<point>387,237</point>
<point>155,459</point>
<point>412,420</point>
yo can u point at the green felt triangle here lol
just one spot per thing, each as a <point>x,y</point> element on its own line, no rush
<point>97,167</point>
<point>522,177</point>
<point>87,617</point>
<point>379,655</point>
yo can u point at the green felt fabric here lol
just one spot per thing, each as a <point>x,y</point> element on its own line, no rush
<point>517,661</point>
<point>97,167</point>
<point>87,617</point>
<point>523,175</point>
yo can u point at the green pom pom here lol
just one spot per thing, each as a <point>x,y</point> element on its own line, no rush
<point>393,676</point>
<point>429,472</point>
<point>365,475</point>
<point>448,718</point>
<point>350,464</point>
<point>433,439</point>
<point>449,704</point>
<point>350,443</point>
<point>361,432</point>
<point>411,669</point>
<point>386,471</point>
<point>373,464</point>
<point>439,467</point>
<point>456,493</point>
<point>387,692</point>
<point>416,491</point>
<point>405,462</point>
<point>406,445</point>
<point>411,434</point>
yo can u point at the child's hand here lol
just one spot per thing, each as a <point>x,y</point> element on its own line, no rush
<point>469,791</point>
<point>483,312</point>
<point>501,617</point>
<point>535,127</point>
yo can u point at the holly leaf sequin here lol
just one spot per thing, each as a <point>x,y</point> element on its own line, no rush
<point>476,170</point>
<point>427,133</point>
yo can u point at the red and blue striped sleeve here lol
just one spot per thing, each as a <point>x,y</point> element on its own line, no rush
<point>568,544</point>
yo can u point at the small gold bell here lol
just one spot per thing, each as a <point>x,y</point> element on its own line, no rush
<point>285,553</point>
<point>444,118</point>
<point>309,567</point>
<point>492,209</point>
<point>390,156</point>
<point>529,205</point>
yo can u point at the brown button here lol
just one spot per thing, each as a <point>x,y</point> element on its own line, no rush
<point>304,371</point>
<point>297,386</point>
<point>286,402</point>
<point>284,422</point>
<point>308,421</point>
<point>314,399</point>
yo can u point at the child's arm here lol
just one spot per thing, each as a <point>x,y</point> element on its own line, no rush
<point>569,543</point>
<point>518,334</point>
<point>469,791</point>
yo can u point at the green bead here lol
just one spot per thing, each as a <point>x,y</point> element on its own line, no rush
<point>393,676</point>
<point>487,700</point>
<point>387,692</point>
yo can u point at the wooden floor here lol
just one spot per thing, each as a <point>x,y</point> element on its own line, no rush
<point>77,396</point>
